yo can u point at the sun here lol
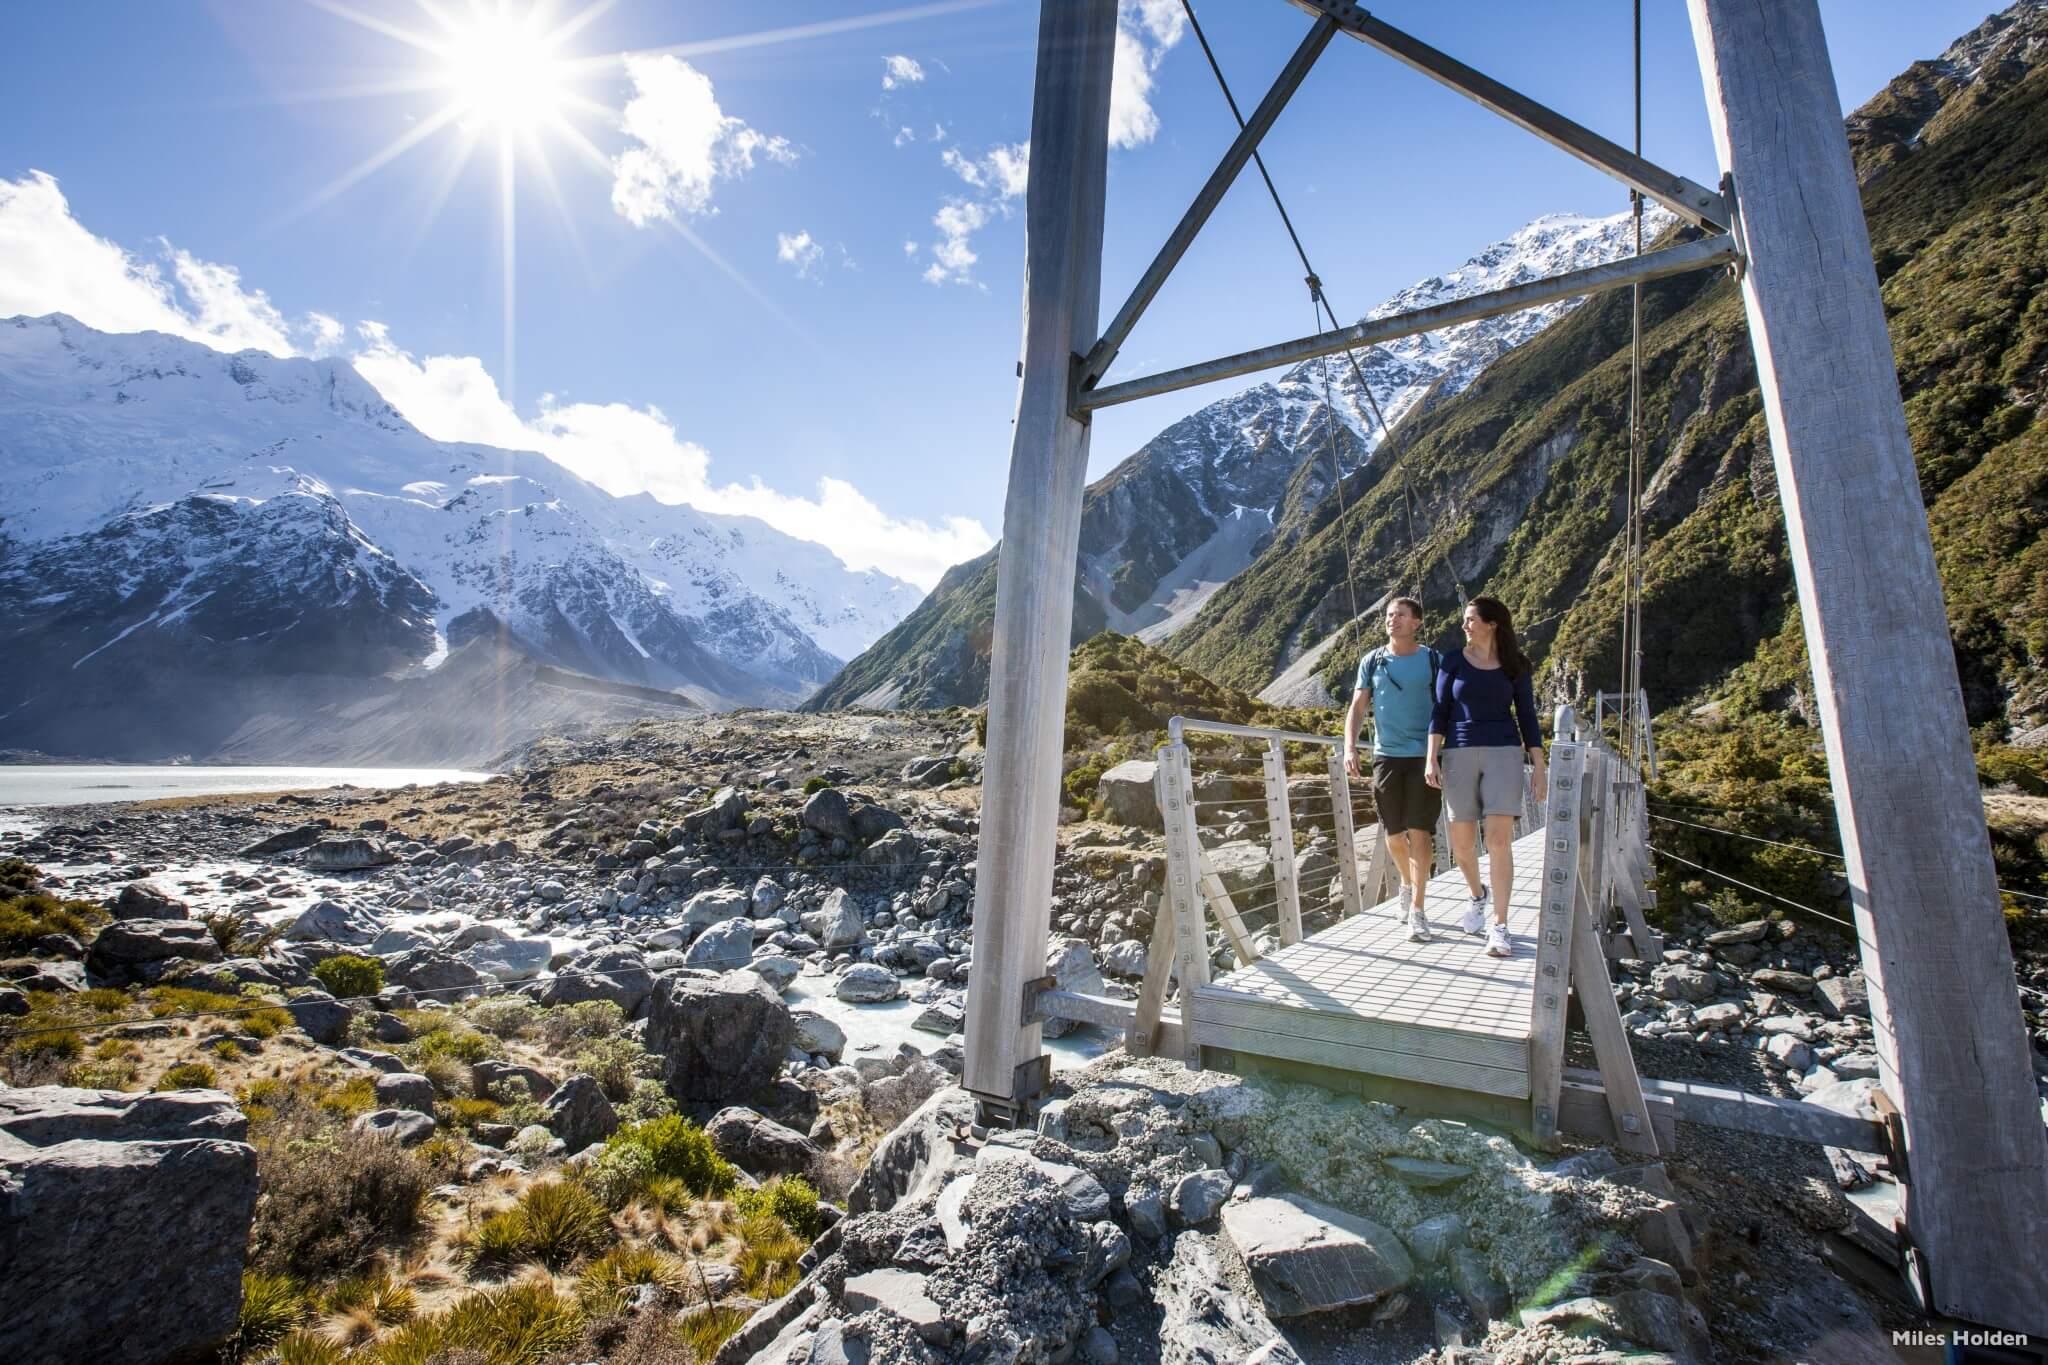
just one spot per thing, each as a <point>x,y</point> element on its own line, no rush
<point>505,72</point>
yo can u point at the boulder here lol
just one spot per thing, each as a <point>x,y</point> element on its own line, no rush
<point>392,942</point>
<point>348,855</point>
<point>429,969</point>
<point>1843,997</point>
<point>510,959</point>
<point>1197,1196</point>
<point>579,1114</point>
<point>1777,979</point>
<point>13,1002</point>
<point>123,1221</point>
<point>867,984</point>
<point>384,1063</point>
<point>918,1157</point>
<point>405,1090</point>
<point>406,1127</point>
<point>778,969</point>
<point>1472,1278</point>
<point>759,1145</point>
<point>1750,931</point>
<point>618,974</point>
<point>324,1018</point>
<point>900,1293</point>
<point>1641,1316</point>
<point>1071,964</point>
<point>1307,1257</point>
<point>1127,793</point>
<point>817,1035</point>
<point>1206,1321</point>
<point>1124,958</point>
<point>871,821</point>
<point>828,813</point>
<point>140,949</point>
<point>928,771</point>
<point>894,1097</point>
<point>725,945</point>
<point>140,900</point>
<point>492,1074</point>
<point>284,841</point>
<point>333,922</point>
<point>896,848</point>
<point>714,906</point>
<point>839,923</point>
<point>718,1039</point>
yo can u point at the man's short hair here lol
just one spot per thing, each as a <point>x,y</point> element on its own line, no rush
<point>1414,607</point>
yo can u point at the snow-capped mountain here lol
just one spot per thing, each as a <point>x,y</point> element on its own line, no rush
<point>169,508</point>
<point>1186,513</point>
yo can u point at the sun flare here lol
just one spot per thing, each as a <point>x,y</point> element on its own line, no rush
<point>505,72</point>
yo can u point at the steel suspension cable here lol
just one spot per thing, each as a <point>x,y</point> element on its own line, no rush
<point>1634,723</point>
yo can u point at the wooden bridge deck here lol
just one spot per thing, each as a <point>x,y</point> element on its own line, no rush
<point>1362,998</point>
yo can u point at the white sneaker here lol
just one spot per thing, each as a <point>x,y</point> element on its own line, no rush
<point>1498,944</point>
<point>1474,920</point>
<point>1401,894</point>
<point>1418,925</point>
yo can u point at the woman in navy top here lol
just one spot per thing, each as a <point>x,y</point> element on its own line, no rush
<point>1483,727</point>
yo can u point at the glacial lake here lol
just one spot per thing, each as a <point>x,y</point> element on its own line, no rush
<point>70,784</point>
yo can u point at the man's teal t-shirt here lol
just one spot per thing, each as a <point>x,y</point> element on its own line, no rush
<point>1401,704</point>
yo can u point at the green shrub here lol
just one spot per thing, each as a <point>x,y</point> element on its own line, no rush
<point>355,1096</point>
<point>272,1305</point>
<point>188,1076</point>
<point>468,1113</point>
<point>555,1222</point>
<point>114,1073</point>
<point>459,1045</point>
<point>62,1045</point>
<point>813,785</point>
<point>788,1198</point>
<point>605,1282</point>
<point>26,918</point>
<point>506,1017</point>
<point>617,1064</point>
<point>238,933</point>
<point>348,977</point>
<point>649,1100</point>
<point>18,875</point>
<point>681,1149</point>
<point>618,1173</point>
<point>333,1198</point>
<point>565,1026</point>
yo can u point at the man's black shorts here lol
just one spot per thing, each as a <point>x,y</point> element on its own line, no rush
<point>1404,800</point>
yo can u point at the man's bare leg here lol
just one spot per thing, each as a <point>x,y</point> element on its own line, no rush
<point>1397,850</point>
<point>1419,858</point>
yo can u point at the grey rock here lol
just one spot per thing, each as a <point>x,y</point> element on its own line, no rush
<point>123,1222</point>
<point>1845,997</point>
<point>618,974</point>
<point>386,1027</point>
<point>1128,794</point>
<point>284,841</point>
<point>838,924</point>
<point>896,848</point>
<point>324,1019</point>
<point>918,1157</point>
<point>864,983</point>
<point>1070,962</point>
<point>1198,1196</point>
<point>1124,958</point>
<point>1683,983</point>
<point>510,959</point>
<point>140,900</point>
<point>1145,1210</point>
<point>1204,1321</point>
<point>139,950</point>
<point>941,1017</point>
<point>718,1040</point>
<point>1307,1257</point>
<point>1098,1347</point>
<point>1432,1239</point>
<point>1419,1174</point>
<point>901,1293</point>
<point>371,1060</point>
<point>1795,1055</point>
<point>1637,1315</point>
<point>13,1002</point>
<point>406,1127</point>
<point>815,1034</point>
<point>405,1090</point>
<point>333,922</point>
<point>759,1145</point>
<point>392,942</point>
<point>492,1076</point>
<point>828,813</point>
<point>1472,1279</point>
<point>892,1098</point>
<point>347,855</point>
<point>430,970</point>
<point>1751,931</point>
<point>723,946</point>
<point>579,1114</point>
<point>714,906</point>
<point>778,970</point>
<point>1776,979</point>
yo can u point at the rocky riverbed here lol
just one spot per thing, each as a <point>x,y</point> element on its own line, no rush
<point>771,917</point>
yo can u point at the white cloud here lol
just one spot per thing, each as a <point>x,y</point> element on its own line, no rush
<point>49,263</point>
<point>686,143</point>
<point>1001,177</point>
<point>799,250</point>
<point>904,135</point>
<point>623,450</point>
<point>1146,30</point>
<point>900,71</point>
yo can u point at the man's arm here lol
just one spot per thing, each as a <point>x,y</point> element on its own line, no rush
<point>1352,720</point>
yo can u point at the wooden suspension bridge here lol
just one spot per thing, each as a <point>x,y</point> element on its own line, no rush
<point>1439,1026</point>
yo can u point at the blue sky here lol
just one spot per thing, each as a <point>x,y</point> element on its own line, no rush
<point>772,273</point>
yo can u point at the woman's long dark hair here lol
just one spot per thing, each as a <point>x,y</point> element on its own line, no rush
<point>1512,660</point>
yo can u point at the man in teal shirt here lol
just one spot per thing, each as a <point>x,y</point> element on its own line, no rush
<point>1397,683</point>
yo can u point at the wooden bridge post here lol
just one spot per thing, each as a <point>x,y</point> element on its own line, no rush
<point>1554,926</point>
<point>1952,1047</point>
<point>1347,839</point>
<point>1183,889</point>
<point>1280,843</point>
<point>1041,535</point>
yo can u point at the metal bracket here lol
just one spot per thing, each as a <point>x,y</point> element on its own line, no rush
<point>1032,989</point>
<point>1738,267</point>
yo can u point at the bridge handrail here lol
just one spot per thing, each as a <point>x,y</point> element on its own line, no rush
<point>1175,725</point>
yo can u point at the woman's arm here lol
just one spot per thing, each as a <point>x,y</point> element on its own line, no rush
<point>1532,737</point>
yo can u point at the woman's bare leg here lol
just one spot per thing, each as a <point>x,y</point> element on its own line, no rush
<point>1465,850</point>
<point>1500,852</point>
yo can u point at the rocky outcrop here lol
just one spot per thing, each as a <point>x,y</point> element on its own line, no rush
<point>1307,1257</point>
<point>917,1157</point>
<point>123,1220</point>
<point>579,1114</point>
<point>1128,795</point>
<point>759,1145</point>
<point>1206,1322</point>
<point>139,950</point>
<point>719,1040</point>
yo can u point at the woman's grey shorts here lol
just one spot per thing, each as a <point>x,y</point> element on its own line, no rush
<point>1482,781</point>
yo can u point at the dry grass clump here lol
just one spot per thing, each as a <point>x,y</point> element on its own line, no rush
<point>35,914</point>
<point>333,1198</point>
<point>556,1222</point>
<point>606,1282</point>
<point>187,1076</point>
<point>517,1324</point>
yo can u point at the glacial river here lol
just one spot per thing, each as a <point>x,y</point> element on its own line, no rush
<point>70,784</point>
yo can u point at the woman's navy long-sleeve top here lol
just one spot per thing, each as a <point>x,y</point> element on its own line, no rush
<point>1480,707</point>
